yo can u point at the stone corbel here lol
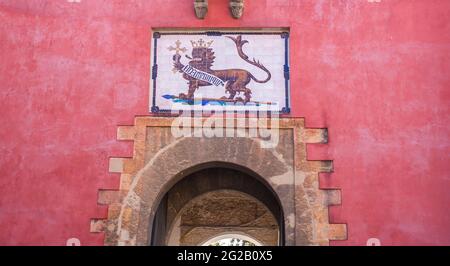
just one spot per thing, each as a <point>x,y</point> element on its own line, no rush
<point>201,8</point>
<point>237,8</point>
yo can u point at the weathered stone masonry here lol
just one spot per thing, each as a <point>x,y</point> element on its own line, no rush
<point>159,161</point>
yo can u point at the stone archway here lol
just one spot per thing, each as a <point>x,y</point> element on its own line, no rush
<point>170,165</point>
<point>160,160</point>
<point>215,201</point>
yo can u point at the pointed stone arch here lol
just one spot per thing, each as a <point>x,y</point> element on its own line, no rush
<point>216,200</point>
<point>160,160</point>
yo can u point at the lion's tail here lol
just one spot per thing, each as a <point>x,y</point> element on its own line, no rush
<point>239,44</point>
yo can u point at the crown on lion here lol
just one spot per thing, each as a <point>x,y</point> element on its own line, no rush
<point>201,44</point>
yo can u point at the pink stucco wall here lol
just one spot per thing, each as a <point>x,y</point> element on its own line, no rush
<point>376,73</point>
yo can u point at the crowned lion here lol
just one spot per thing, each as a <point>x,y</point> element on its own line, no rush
<point>236,80</point>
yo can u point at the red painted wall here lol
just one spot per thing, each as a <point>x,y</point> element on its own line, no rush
<point>377,74</point>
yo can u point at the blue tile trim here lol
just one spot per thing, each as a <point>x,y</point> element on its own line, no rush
<point>285,35</point>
